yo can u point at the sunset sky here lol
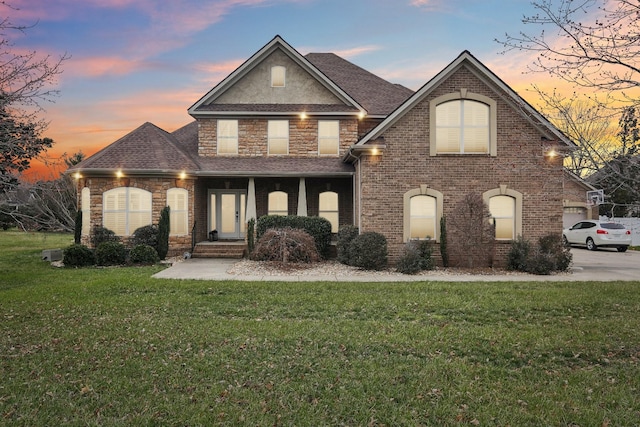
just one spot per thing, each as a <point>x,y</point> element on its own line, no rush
<point>134,61</point>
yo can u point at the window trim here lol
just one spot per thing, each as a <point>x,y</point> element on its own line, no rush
<point>173,212</point>
<point>424,190</point>
<point>464,94</point>
<point>504,191</point>
<point>218,138</point>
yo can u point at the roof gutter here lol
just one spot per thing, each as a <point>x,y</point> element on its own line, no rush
<point>355,151</point>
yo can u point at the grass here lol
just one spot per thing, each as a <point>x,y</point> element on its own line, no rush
<point>112,346</point>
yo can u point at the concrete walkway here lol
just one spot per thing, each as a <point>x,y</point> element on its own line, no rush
<point>601,265</point>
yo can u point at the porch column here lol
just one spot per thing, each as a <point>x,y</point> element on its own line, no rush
<point>302,198</point>
<point>251,201</point>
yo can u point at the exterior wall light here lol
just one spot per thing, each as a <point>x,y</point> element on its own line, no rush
<point>119,174</point>
<point>303,116</point>
<point>183,175</point>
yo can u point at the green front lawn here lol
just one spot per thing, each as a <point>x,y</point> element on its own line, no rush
<point>112,346</point>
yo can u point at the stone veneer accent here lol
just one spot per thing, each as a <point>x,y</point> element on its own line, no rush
<point>158,188</point>
<point>252,137</point>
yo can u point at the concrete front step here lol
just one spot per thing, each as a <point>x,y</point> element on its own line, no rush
<point>219,249</point>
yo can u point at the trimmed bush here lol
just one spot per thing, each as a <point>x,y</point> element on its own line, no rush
<point>78,256</point>
<point>444,251</point>
<point>146,235</point>
<point>549,255</point>
<point>251,235</point>
<point>319,228</point>
<point>286,245</point>
<point>369,251</point>
<point>518,256</point>
<point>77,228</point>
<point>410,262</point>
<point>101,235</point>
<point>416,257</point>
<point>346,235</point>
<point>111,253</point>
<point>144,254</point>
<point>164,227</point>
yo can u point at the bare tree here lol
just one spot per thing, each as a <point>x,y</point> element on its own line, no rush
<point>590,43</point>
<point>26,82</point>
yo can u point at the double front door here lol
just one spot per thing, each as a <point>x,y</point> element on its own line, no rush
<point>227,213</point>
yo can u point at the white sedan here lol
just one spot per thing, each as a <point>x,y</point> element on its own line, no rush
<point>592,234</point>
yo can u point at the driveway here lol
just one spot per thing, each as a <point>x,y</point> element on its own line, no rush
<point>605,264</point>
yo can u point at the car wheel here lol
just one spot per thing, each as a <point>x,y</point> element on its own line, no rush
<point>591,244</point>
<point>622,248</point>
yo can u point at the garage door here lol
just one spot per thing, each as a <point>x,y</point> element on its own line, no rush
<point>573,215</point>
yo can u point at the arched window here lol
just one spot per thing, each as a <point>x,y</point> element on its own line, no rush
<point>505,206</point>
<point>126,209</point>
<point>462,126</point>
<point>421,214</point>
<point>328,208</point>
<point>422,217</point>
<point>278,76</point>
<point>85,196</point>
<point>503,212</point>
<point>463,123</point>
<point>278,203</point>
<point>178,202</point>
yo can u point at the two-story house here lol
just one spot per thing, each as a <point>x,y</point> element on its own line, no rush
<point>317,135</point>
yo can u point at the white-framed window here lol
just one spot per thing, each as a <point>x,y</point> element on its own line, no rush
<point>422,217</point>
<point>227,137</point>
<point>462,126</point>
<point>278,203</point>
<point>85,206</point>
<point>278,137</point>
<point>328,209</point>
<point>503,212</point>
<point>178,202</point>
<point>125,209</point>
<point>278,76</point>
<point>328,137</point>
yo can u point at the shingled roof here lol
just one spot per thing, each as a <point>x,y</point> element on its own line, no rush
<point>378,96</point>
<point>147,148</point>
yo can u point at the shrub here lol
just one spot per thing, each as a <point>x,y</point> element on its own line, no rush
<point>410,262</point>
<point>251,235</point>
<point>286,245</point>
<point>78,256</point>
<point>444,251</point>
<point>346,235</point>
<point>111,253</point>
<point>145,235</point>
<point>319,228</point>
<point>549,255</point>
<point>518,256</point>
<point>144,254</point>
<point>369,251</point>
<point>77,228</point>
<point>101,235</point>
<point>472,232</point>
<point>416,257</point>
<point>164,227</point>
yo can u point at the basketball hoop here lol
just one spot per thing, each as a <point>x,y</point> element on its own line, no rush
<point>595,198</point>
